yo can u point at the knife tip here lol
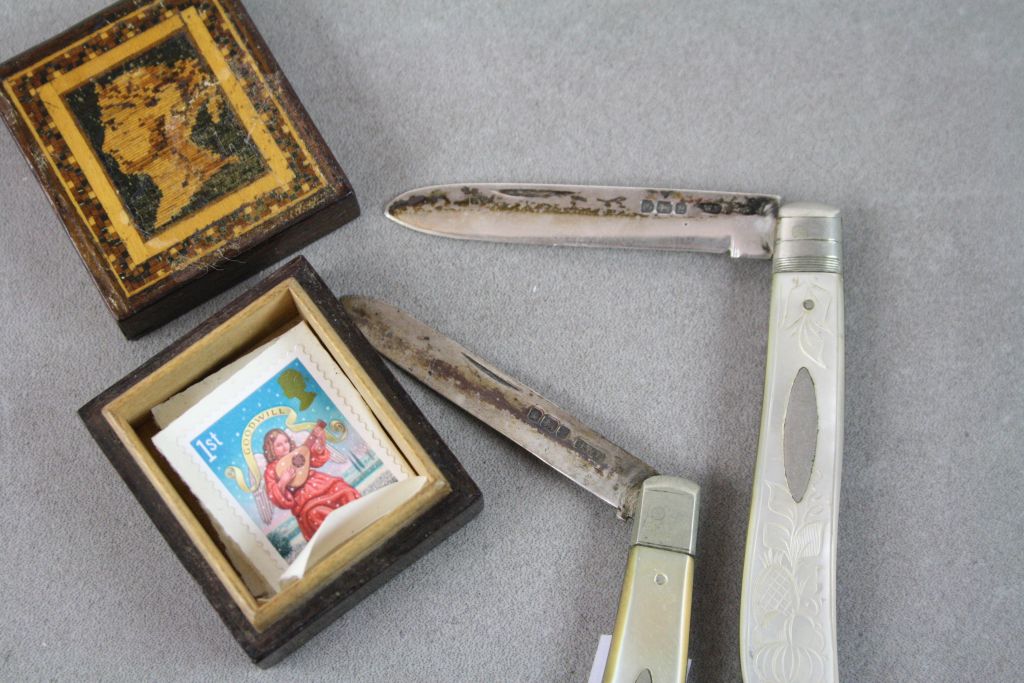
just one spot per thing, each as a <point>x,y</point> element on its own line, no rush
<point>397,206</point>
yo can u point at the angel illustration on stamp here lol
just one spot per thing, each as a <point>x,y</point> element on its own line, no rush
<point>296,458</point>
<point>272,447</point>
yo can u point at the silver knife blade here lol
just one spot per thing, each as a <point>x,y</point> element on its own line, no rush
<point>501,402</point>
<point>624,217</point>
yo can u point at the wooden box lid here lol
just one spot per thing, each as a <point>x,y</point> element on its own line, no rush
<point>120,421</point>
<point>174,151</point>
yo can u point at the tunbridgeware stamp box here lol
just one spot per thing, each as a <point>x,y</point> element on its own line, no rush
<point>120,420</point>
<point>174,151</point>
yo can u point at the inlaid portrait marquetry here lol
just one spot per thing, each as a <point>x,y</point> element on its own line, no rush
<point>165,144</point>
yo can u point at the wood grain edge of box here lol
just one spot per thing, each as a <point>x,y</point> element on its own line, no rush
<point>270,646</point>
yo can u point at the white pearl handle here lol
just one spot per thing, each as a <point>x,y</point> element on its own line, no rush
<point>787,621</point>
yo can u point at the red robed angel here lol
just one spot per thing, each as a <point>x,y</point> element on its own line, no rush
<point>319,495</point>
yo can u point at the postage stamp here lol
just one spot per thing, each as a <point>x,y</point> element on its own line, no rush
<point>277,447</point>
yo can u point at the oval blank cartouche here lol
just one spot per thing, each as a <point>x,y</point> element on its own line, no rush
<point>800,434</point>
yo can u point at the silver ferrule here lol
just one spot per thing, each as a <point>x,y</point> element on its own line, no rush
<point>667,516</point>
<point>808,239</point>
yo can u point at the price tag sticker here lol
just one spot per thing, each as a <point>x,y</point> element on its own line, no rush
<point>604,643</point>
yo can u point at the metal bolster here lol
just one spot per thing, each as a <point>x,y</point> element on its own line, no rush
<point>667,515</point>
<point>808,239</point>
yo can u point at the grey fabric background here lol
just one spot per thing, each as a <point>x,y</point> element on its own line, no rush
<point>908,116</point>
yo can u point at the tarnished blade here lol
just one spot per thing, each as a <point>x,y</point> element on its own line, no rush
<point>591,216</point>
<point>514,410</point>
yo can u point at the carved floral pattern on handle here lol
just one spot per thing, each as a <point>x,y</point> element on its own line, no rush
<point>788,642</point>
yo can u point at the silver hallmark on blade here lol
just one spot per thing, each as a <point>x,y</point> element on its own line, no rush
<point>501,402</point>
<point>741,225</point>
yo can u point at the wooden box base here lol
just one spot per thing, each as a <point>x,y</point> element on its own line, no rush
<point>268,630</point>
